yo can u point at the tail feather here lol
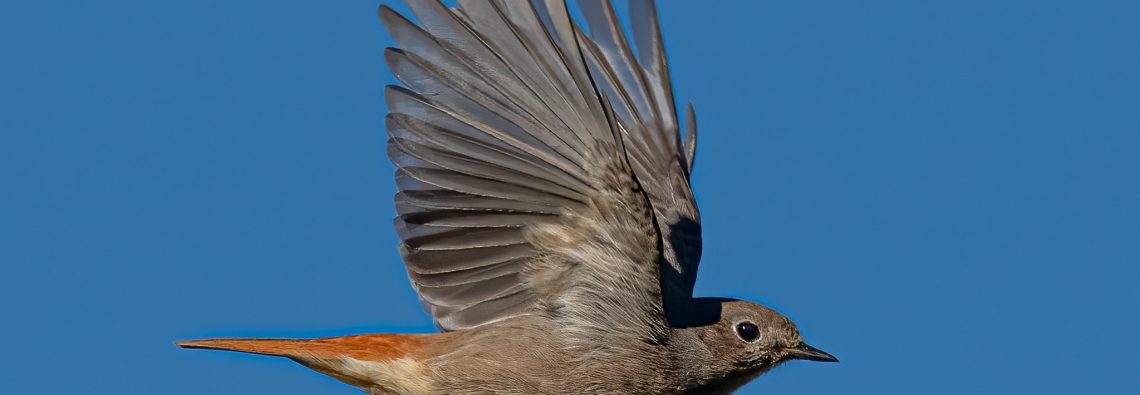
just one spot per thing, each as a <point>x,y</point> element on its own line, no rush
<point>378,363</point>
<point>376,347</point>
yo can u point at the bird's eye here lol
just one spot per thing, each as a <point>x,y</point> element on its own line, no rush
<point>747,331</point>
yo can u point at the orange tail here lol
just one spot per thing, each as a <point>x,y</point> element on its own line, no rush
<point>376,347</point>
<point>380,363</point>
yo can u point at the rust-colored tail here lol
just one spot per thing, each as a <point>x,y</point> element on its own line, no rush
<point>380,363</point>
<point>376,347</point>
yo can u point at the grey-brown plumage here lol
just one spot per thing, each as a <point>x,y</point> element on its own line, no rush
<point>546,215</point>
<point>492,134</point>
<point>542,173</point>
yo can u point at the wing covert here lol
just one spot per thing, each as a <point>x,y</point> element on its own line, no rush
<point>506,119</point>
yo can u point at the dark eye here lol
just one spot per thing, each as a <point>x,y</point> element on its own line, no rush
<point>747,331</point>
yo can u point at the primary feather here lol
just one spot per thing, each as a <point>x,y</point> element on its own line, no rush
<point>513,123</point>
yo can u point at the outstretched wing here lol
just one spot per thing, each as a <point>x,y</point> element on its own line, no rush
<point>643,104</point>
<point>519,146</point>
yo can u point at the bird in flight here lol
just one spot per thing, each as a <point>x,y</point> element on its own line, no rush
<point>546,216</point>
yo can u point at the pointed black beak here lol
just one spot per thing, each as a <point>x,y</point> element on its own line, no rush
<point>810,353</point>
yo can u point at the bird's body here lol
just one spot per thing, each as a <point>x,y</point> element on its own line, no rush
<point>487,360</point>
<point>546,216</point>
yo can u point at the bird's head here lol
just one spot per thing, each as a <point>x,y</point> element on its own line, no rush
<point>747,339</point>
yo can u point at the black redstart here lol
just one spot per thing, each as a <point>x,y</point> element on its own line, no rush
<point>546,217</point>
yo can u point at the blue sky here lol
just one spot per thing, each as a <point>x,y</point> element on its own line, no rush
<point>944,194</point>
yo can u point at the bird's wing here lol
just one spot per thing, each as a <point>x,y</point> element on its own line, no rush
<point>520,145</point>
<point>643,104</point>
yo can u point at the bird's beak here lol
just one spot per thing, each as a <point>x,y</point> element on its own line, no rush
<point>810,353</point>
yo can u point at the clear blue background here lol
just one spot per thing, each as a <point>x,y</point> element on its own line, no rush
<point>942,193</point>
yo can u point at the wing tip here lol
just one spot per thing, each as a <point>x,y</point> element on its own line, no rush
<point>385,12</point>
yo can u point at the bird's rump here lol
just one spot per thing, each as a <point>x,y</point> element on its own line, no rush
<point>510,125</point>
